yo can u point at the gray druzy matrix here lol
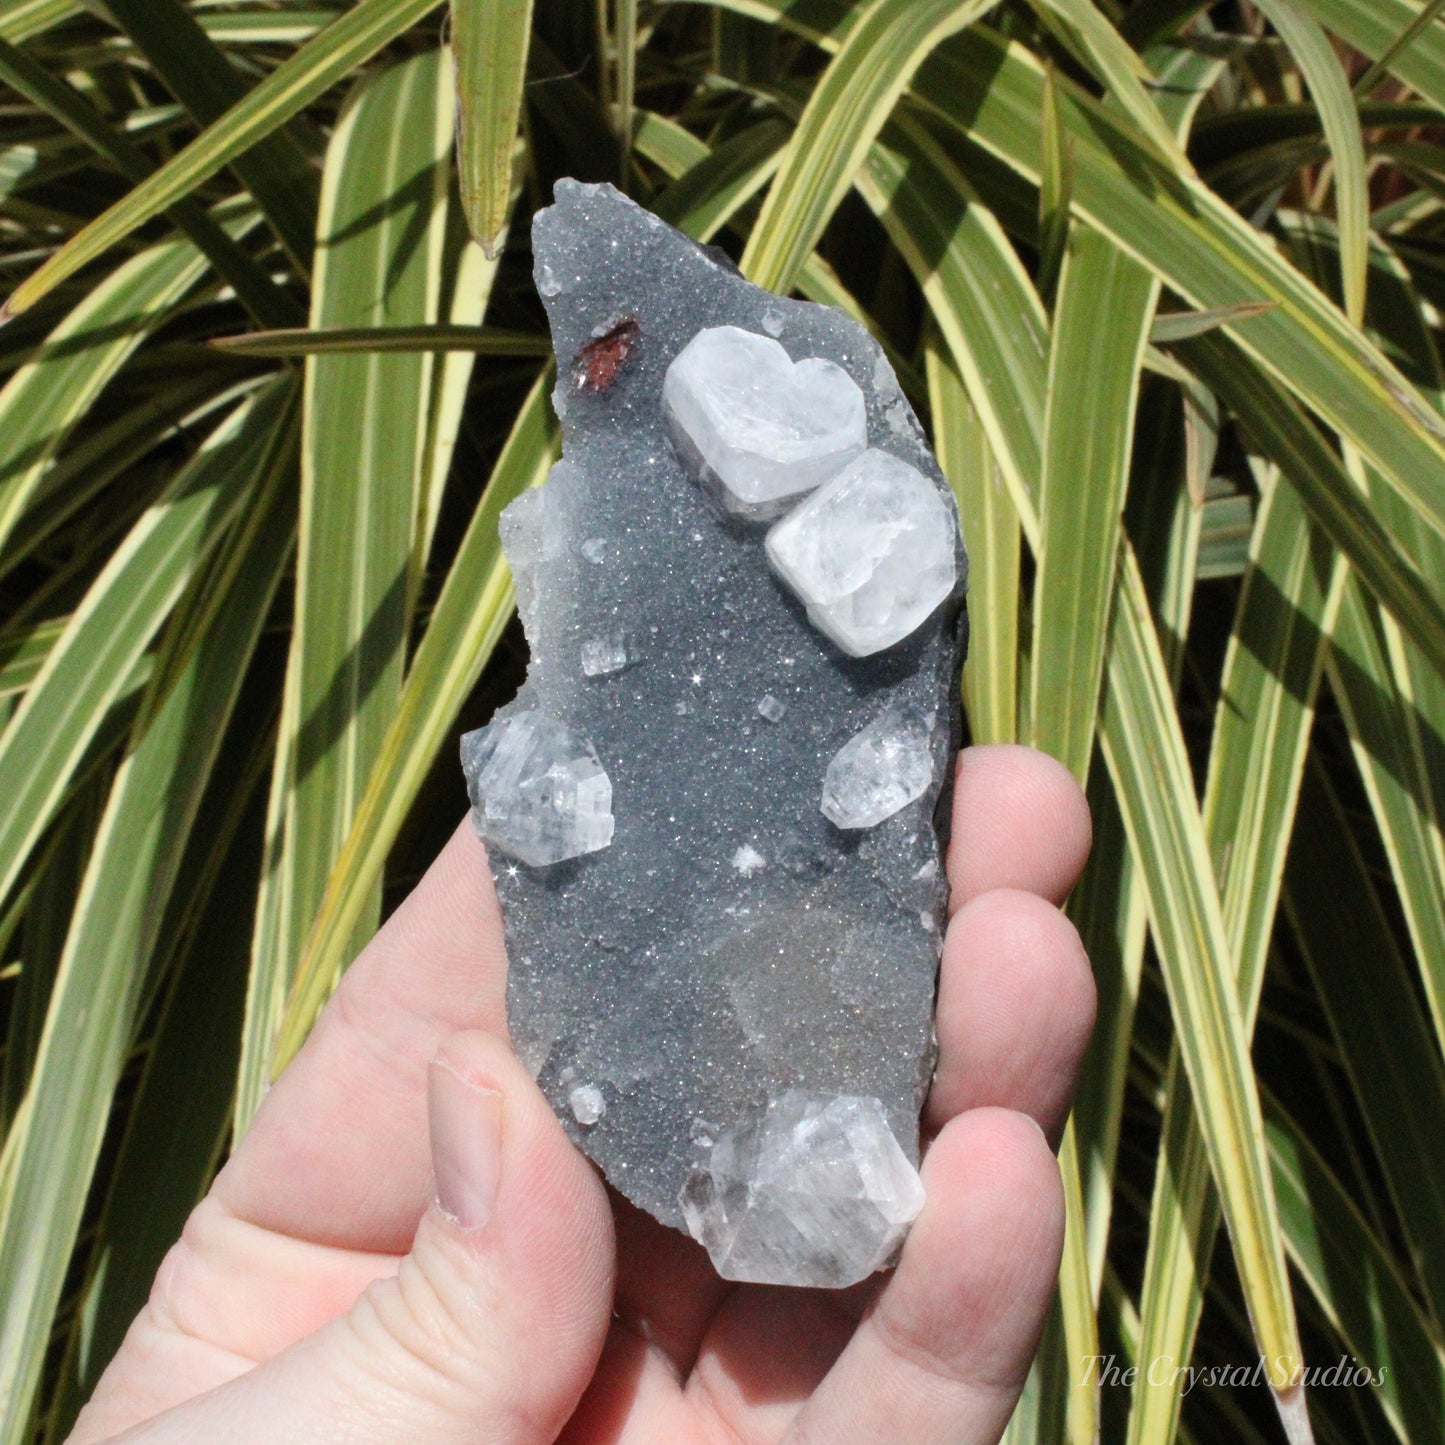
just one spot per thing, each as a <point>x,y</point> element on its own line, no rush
<point>732,950</point>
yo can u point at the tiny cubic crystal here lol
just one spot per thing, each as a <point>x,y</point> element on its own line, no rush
<point>538,791</point>
<point>757,427</point>
<point>606,653</point>
<point>771,709</point>
<point>588,1105</point>
<point>871,554</point>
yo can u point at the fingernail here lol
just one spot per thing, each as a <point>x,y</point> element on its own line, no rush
<point>466,1145</point>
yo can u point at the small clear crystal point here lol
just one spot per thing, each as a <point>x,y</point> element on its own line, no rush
<point>879,770</point>
<point>538,790</point>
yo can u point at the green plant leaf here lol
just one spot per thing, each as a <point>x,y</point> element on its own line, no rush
<point>168,1155</point>
<point>1356,1281</point>
<point>626,41</point>
<point>1376,1020</point>
<point>1144,748</point>
<point>712,186</point>
<point>92,1006</point>
<point>1283,433</point>
<point>49,395</point>
<point>343,340</point>
<point>472,278</point>
<point>1392,698</point>
<point>1104,312</point>
<point>89,665</point>
<point>1108,905</point>
<point>1181,325</point>
<point>1272,667</point>
<point>382,227</point>
<point>1341,122</point>
<point>95,459</point>
<point>25,654</point>
<point>991,532</point>
<point>1089,423</point>
<point>845,112</point>
<point>267,302</point>
<point>1397,47</point>
<point>489,45</point>
<point>1185,235</point>
<point>1056,186</point>
<point>40,911</point>
<point>276,170</point>
<point>978,293</point>
<point>22,19</point>
<point>349,41</point>
<point>1100,46</point>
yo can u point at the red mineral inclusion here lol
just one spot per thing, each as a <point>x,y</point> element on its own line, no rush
<point>596,366</point>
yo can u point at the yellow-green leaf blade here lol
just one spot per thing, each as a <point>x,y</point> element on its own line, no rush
<point>845,112</point>
<point>47,396</point>
<point>490,40</point>
<point>352,39</point>
<point>89,665</point>
<point>381,226</point>
<point>103,971</point>
<point>1144,748</point>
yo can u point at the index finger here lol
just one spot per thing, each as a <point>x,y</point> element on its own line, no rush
<point>338,1152</point>
<point>1019,821</point>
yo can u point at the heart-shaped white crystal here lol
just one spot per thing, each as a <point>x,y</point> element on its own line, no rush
<point>758,427</point>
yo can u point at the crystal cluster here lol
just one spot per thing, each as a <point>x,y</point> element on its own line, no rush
<point>715,811</point>
<point>538,790</point>
<point>809,1189</point>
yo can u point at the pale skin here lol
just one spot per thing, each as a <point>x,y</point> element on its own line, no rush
<point>406,1247</point>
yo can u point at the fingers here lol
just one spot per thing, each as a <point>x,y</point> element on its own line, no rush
<point>1015,1010</point>
<point>337,1154</point>
<point>494,1321</point>
<point>942,1356</point>
<point>1016,995</point>
<point>1019,821</point>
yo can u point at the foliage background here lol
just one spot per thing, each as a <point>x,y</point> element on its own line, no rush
<point>1164,279</point>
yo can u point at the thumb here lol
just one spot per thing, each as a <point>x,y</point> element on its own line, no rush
<point>490,1329</point>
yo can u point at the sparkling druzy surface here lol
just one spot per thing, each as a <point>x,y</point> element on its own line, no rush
<point>732,961</point>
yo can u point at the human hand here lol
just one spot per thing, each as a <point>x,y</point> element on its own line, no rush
<point>406,1247</point>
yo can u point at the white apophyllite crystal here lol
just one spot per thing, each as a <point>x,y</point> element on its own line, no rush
<point>588,1105</point>
<point>771,709</point>
<point>606,653</point>
<point>812,1190</point>
<point>879,770</point>
<point>758,427</point>
<point>871,554</point>
<point>538,790</point>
